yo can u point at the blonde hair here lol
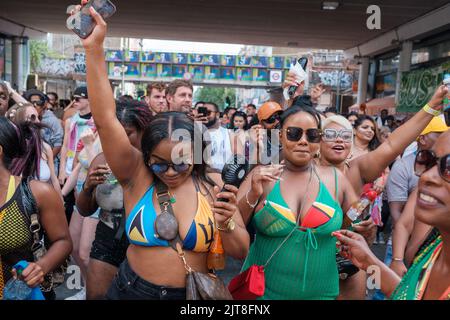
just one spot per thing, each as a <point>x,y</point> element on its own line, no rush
<point>340,120</point>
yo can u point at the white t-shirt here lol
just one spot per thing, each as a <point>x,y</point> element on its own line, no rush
<point>220,147</point>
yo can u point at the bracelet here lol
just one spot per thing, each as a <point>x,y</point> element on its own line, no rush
<point>397,259</point>
<point>248,202</point>
<point>431,111</point>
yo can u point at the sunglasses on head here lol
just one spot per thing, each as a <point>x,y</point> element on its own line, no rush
<point>39,103</point>
<point>313,135</point>
<point>333,135</point>
<point>160,168</point>
<point>272,118</point>
<point>426,159</point>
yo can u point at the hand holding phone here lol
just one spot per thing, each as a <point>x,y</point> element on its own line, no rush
<point>203,111</point>
<point>302,62</point>
<point>81,21</point>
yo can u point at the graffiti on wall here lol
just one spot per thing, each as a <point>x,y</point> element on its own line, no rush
<point>331,78</point>
<point>59,67</point>
<point>418,86</point>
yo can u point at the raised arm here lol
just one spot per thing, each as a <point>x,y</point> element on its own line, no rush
<point>400,237</point>
<point>121,156</point>
<point>370,166</point>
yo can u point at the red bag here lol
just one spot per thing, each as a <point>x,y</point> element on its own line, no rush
<point>249,284</point>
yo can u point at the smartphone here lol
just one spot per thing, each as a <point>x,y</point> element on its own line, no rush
<point>446,101</point>
<point>82,23</point>
<point>203,111</point>
<point>303,62</point>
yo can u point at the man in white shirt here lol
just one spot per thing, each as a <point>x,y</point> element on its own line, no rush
<point>218,138</point>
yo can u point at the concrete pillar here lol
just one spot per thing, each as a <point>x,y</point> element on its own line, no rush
<point>362,81</point>
<point>17,64</point>
<point>403,66</point>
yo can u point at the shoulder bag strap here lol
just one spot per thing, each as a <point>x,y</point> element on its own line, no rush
<point>163,195</point>
<point>31,211</point>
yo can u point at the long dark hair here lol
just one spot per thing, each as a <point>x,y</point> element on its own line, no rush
<point>374,143</point>
<point>133,113</point>
<point>12,142</point>
<point>239,114</point>
<point>162,126</point>
<point>28,165</point>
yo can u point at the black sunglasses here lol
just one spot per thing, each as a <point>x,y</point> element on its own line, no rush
<point>272,118</point>
<point>77,99</point>
<point>160,168</point>
<point>313,135</point>
<point>39,103</point>
<point>426,159</point>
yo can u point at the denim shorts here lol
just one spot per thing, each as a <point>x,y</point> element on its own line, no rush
<point>127,285</point>
<point>108,249</point>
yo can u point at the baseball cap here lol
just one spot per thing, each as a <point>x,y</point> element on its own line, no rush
<point>34,92</point>
<point>80,92</point>
<point>436,125</point>
<point>268,109</point>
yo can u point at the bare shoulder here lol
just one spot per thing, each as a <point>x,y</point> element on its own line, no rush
<point>42,191</point>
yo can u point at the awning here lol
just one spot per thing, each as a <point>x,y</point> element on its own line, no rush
<point>374,106</point>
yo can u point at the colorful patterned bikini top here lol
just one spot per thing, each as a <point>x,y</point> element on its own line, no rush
<point>141,231</point>
<point>304,267</point>
<point>321,211</point>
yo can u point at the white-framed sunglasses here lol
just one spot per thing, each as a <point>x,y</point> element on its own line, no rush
<point>333,134</point>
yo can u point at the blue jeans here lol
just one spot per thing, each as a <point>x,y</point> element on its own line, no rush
<point>127,285</point>
<point>387,261</point>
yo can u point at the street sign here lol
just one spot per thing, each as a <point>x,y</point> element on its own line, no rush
<point>275,76</point>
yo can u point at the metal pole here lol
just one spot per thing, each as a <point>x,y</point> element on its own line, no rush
<point>338,91</point>
<point>122,44</point>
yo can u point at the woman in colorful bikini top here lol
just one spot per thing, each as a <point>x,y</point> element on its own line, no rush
<point>298,205</point>
<point>153,269</point>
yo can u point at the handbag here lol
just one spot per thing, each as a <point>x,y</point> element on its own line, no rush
<point>251,284</point>
<point>55,277</point>
<point>199,285</point>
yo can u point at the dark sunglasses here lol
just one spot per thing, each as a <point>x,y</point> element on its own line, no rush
<point>426,159</point>
<point>272,118</point>
<point>78,99</point>
<point>313,135</point>
<point>39,103</point>
<point>160,168</point>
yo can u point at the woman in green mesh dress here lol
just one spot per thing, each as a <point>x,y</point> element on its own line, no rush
<point>297,206</point>
<point>429,276</point>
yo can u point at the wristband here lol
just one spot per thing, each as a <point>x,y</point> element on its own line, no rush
<point>431,111</point>
<point>397,259</point>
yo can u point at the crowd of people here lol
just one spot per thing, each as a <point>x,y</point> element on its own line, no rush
<point>95,170</point>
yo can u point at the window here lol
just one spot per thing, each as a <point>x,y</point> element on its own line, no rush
<point>432,52</point>
<point>388,64</point>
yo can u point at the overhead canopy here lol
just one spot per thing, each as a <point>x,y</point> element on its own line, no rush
<point>374,106</point>
<point>282,23</point>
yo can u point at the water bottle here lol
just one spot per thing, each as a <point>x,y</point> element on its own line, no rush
<point>446,82</point>
<point>16,289</point>
<point>357,209</point>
